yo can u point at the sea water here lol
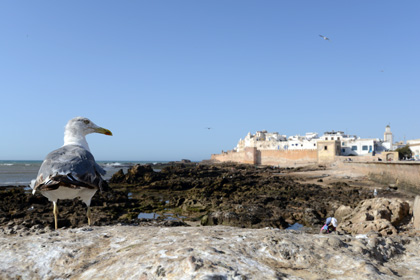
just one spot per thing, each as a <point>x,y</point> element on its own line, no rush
<point>21,172</point>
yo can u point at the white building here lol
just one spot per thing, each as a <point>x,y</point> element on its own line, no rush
<point>307,142</point>
<point>337,135</point>
<point>263,140</point>
<point>360,147</point>
<point>415,148</point>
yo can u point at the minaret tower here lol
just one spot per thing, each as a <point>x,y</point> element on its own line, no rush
<point>388,135</point>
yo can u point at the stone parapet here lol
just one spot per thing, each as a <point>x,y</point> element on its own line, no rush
<point>401,174</point>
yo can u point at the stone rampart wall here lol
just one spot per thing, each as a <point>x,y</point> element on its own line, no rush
<point>230,156</point>
<point>403,174</point>
<point>287,157</point>
<point>269,157</point>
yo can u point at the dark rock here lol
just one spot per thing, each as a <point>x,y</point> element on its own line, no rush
<point>118,177</point>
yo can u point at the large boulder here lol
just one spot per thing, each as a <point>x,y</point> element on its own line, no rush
<point>382,215</point>
<point>342,212</point>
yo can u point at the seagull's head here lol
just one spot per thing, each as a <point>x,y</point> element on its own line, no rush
<point>84,126</point>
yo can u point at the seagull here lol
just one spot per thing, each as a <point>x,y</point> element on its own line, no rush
<point>71,171</point>
<point>325,38</point>
<point>375,193</point>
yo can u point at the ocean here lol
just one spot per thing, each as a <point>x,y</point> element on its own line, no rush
<point>21,172</point>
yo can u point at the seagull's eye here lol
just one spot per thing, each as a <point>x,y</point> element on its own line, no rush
<point>86,121</point>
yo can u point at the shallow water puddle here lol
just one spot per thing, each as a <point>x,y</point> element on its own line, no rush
<point>165,216</point>
<point>295,226</point>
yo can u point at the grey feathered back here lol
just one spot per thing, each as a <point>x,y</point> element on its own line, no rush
<point>70,166</point>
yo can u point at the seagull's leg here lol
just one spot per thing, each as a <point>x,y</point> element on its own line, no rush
<point>88,215</point>
<point>55,212</point>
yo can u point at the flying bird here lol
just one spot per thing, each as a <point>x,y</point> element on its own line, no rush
<point>325,38</point>
<point>71,171</point>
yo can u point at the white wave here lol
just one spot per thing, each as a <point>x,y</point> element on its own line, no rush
<point>113,164</point>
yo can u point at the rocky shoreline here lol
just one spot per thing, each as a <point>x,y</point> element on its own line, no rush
<point>220,194</point>
<point>210,201</point>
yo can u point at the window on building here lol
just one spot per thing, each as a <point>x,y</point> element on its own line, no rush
<point>314,144</point>
<point>343,144</point>
<point>343,150</point>
<point>364,148</point>
<point>325,148</point>
<point>354,148</point>
<point>338,138</point>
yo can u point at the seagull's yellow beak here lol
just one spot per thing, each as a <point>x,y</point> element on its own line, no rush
<point>103,131</point>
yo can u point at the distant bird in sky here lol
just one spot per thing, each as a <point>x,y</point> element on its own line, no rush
<point>325,38</point>
<point>208,128</point>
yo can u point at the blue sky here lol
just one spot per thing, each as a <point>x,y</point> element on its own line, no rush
<point>157,73</point>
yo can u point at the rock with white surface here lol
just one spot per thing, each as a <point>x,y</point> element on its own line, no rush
<point>219,252</point>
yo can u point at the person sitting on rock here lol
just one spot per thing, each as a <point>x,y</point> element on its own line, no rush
<point>330,225</point>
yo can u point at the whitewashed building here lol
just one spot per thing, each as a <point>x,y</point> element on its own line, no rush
<point>360,147</point>
<point>415,148</point>
<point>263,140</point>
<point>307,142</point>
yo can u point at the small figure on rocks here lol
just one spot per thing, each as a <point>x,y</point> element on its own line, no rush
<point>330,225</point>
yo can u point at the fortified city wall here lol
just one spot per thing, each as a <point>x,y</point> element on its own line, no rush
<point>401,174</point>
<point>269,157</point>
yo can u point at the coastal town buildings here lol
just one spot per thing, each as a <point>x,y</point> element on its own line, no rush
<point>265,147</point>
<point>351,145</point>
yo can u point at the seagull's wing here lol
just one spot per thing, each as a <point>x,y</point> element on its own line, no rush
<point>71,166</point>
